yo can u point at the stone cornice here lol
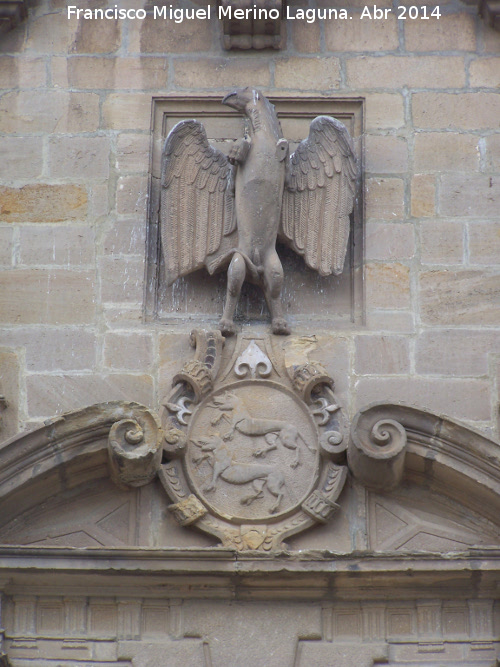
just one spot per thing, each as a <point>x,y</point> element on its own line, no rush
<point>205,572</point>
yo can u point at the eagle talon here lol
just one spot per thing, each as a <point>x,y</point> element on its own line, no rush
<point>227,327</point>
<point>280,327</point>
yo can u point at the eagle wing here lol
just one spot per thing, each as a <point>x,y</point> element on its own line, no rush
<point>319,196</point>
<point>197,200</point>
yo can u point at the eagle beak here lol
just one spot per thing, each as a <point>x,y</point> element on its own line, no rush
<point>231,100</point>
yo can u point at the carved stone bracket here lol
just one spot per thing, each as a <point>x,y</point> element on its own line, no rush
<point>252,32</point>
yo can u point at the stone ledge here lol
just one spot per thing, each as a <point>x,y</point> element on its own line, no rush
<point>228,574</point>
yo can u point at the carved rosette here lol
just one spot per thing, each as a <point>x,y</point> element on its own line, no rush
<point>251,461</point>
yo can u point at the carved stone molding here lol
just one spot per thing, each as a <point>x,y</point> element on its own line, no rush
<point>12,12</point>
<point>392,441</point>
<point>252,33</point>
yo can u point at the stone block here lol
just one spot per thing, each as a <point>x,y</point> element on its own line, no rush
<point>399,71</point>
<point>20,157</point>
<point>384,111</point>
<point>49,111</point>
<point>306,36</point>
<point>307,73</point>
<point>385,199</point>
<point>51,348</point>
<point>22,72</point>
<point>457,398</point>
<point>160,36</point>
<point>6,245</point>
<point>441,242</point>
<point>464,111</point>
<point>391,322</point>
<point>132,195</point>
<point>128,351</point>
<point>387,286</point>
<point>99,199</point>
<point>132,152</point>
<point>362,35</point>
<point>123,316</point>
<point>43,202</point>
<point>51,33</point>
<point>490,38</point>
<point>446,151</point>
<point>484,242</point>
<point>493,152</point>
<point>386,154</point>
<point>455,352</point>
<point>41,296</point>
<point>382,355</point>
<point>441,34</point>
<point>485,73</point>
<point>221,73</point>
<point>97,36</point>
<point>49,245</point>
<point>389,240</point>
<point>126,237</point>
<point>122,279</point>
<point>423,195</point>
<point>9,393</point>
<point>127,111</point>
<point>79,157</point>
<point>46,399</point>
<point>460,297</point>
<point>117,73</point>
<point>469,195</point>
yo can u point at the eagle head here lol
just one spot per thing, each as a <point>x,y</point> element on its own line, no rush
<point>241,98</point>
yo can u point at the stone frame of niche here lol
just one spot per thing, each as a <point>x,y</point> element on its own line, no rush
<point>308,299</point>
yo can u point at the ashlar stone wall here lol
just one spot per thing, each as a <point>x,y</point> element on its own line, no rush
<point>75,129</point>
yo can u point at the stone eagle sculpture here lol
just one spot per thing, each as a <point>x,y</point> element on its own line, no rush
<point>219,210</point>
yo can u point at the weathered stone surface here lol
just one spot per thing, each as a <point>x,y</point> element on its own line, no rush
<point>465,111</point>
<point>22,72</point>
<point>485,72</point>
<point>304,73</point>
<point>423,195</point>
<point>50,348</point>
<point>387,285</point>
<point>61,245</point>
<point>441,242</point>
<point>118,73</point>
<point>129,351</point>
<point>384,111</point>
<point>469,195</point>
<point>382,355</point>
<point>49,111</point>
<point>132,195</point>
<point>79,157</point>
<point>389,241</point>
<point>20,157</point>
<point>386,155</point>
<point>45,398</point>
<point>47,296</point>
<point>384,199</point>
<point>220,73</point>
<point>43,202</point>
<point>159,36</point>
<point>53,33</point>
<point>122,111</point>
<point>306,36</point>
<point>398,71</point>
<point>125,237</point>
<point>132,152</point>
<point>97,36</point>
<point>441,33</point>
<point>122,279</point>
<point>446,151</point>
<point>484,242</point>
<point>460,297</point>
<point>493,152</point>
<point>6,245</point>
<point>362,35</point>
<point>455,352</point>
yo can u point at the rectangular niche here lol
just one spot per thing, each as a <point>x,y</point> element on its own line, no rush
<point>307,298</point>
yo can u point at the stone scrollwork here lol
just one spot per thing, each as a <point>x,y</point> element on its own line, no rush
<point>134,448</point>
<point>377,449</point>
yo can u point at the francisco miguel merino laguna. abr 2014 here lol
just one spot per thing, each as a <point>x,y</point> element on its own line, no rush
<point>180,14</point>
